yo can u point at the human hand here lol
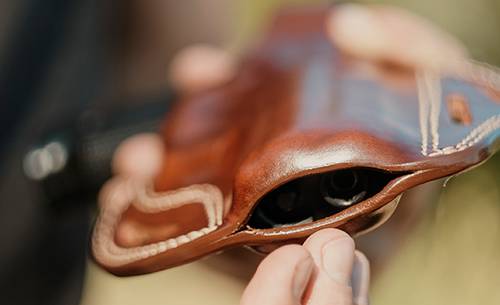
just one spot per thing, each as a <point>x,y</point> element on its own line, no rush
<point>324,270</point>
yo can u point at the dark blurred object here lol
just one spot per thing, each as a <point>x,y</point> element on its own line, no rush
<point>32,46</point>
<point>55,65</point>
<point>52,68</point>
<point>74,160</point>
<point>58,59</point>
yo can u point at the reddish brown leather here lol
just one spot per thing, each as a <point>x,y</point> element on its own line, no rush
<point>298,107</point>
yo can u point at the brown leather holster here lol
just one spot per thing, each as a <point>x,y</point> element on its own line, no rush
<point>304,137</point>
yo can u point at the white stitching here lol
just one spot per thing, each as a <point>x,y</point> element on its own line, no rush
<point>118,194</point>
<point>476,135</point>
<point>423,110</point>
<point>434,91</point>
<point>478,72</point>
<point>429,97</point>
<point>481,73</point>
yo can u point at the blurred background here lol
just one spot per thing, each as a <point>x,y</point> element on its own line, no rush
<point>77,77</point>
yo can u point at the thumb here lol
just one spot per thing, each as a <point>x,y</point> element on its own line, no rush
<point>281,278</point>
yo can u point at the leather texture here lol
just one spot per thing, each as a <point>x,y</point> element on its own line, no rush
<point>297,109</point>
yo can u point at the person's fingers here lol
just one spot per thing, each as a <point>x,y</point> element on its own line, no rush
<point>199,67</point>
<point>333,254</point>
<point>281,278</point>
<point>360,281</point>
<point>391,34</point>
<point>139,156</point>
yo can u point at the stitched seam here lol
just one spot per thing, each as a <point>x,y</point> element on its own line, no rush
<point>428,88</point>
<point>118,200</point>
<point>423,110</point>
<point>434,92</point>
<point>429,97</point>
<point>476,135</point>
<point>479,72</point>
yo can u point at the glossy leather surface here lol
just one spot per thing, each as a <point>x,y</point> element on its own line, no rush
<point>298,107</point>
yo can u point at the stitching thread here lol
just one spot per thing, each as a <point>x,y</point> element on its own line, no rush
<point>429,96</point>
<point>423,110</point>
<point>123,192</point>
<point>476,135</point>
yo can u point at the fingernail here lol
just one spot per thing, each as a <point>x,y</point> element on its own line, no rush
<point>338,257</point>
<point>302,274</point>
<point>360,280</point>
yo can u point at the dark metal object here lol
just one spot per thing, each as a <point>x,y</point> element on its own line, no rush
<point>74,160</point>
